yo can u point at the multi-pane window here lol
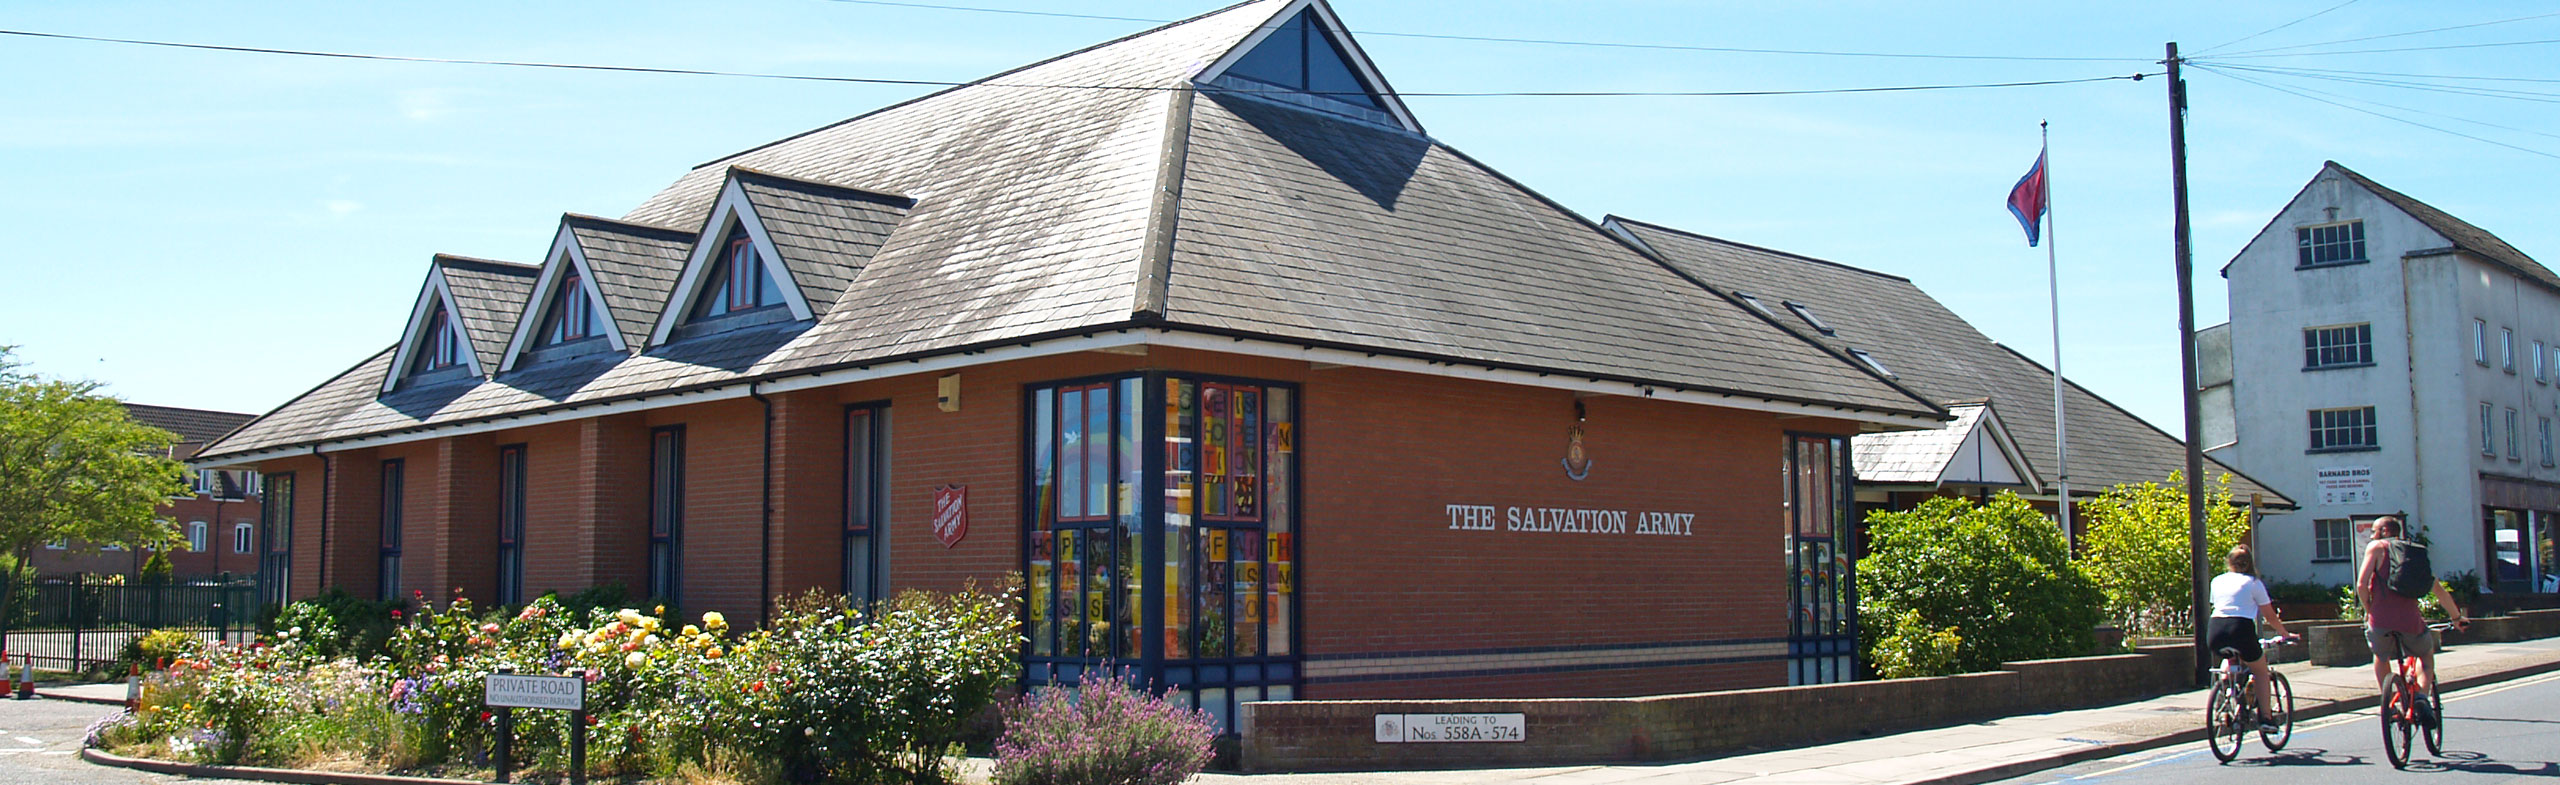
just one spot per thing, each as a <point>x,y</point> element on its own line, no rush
<point>243,537</point>
<point>1822,628</point>
<point>511,524</point>
<point>2544,425</point>
<point>2515,448</point>
<point>2333,244</point>
<point>443,347</point>
<point>2341,430</point>
<point>2337,347</point>
<point>739,281</point>
<point>394,491</point>
<point>2332,539</point>
<point>2488,431</point>
<point>200,536</point>
<point>1301,56</point>
<point>2480,342</point>
<point>2507,348</point>
<point>1162,527</point>
<point>275,525</point>
<point>866,472</point>
<point>573,315</point>
<point>666,512</point>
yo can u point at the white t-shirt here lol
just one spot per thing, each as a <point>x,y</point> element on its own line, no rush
<point>2239,594</point>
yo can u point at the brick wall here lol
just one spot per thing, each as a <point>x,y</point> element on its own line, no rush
<point>1395,601</point>
<point>1340,735</point>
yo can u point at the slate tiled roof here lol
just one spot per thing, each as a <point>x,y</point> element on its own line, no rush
<point>191,425</point>
<point>825,233</point>
<point>634,265</point>
<point>1023,213</point>
<point>1918,456</point>
<point>1934,351</point>
<point>2464,235</point>
<point>487,295</point>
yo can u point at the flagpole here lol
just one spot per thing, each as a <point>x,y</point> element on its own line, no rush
<point>2053,291</point>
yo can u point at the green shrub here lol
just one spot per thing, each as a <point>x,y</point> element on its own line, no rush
<point>155,570</point>
<point>2135,547</point>
<point>2349,605</point>
<point>1999,572</point>
<point>151,650</point>
<point>1912,649</point>
<point>338,624</point>
<point>1101,732</point>
<point>2302,591</point>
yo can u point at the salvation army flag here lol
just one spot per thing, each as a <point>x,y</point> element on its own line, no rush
<point>2026,201</point>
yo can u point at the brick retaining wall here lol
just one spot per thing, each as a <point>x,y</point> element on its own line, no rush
<point>1338,735</point>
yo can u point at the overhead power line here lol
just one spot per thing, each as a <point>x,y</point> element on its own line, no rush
<point>943,83</point>
<point>2309,97</point>
<point>1535,41</point>
<point>2250,56</point>
<point>2314,15</point>
<point>2391,35</point>
<point>2305,69</point>
<point>2535,96</point>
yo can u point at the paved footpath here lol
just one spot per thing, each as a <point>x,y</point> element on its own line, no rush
<point>1961,755</point>
<point>1986,751</point>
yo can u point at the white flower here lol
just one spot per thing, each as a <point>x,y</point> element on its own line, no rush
<point>635,659</point>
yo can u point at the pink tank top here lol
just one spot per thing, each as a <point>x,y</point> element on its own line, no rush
<point>2388,611</point>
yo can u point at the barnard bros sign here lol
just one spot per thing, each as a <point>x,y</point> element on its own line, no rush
<point>1569,520</point>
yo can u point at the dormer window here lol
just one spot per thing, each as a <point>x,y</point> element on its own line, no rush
<point>739,280</point>
<point>1299,56</point>
<point>443,347</point>
<point>573,314</point>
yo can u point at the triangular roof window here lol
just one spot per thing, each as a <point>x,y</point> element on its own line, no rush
<point>572,315</point>
<point>740,280</point>
<point>443,346</point>
<point>1300,55</point>
<point>734,278</point>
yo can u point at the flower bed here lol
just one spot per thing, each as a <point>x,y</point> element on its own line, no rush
<point>823,693</point>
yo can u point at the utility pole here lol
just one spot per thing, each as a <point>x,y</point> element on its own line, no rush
<point>2187,359</point>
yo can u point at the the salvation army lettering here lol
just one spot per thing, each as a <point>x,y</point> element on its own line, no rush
<point>1570,520</point>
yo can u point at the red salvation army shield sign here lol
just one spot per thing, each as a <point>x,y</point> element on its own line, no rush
<point>951,514</point>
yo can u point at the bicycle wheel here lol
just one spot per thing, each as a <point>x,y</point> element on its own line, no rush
<point>2434,731</point>
<point>2280,699</point>
<point>2395,727</point>
<point>2222,731</point>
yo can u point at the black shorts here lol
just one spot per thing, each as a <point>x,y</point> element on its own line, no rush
<point>2233,632</point>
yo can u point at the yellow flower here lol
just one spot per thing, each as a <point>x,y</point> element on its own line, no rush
<point>662,610</point>
<point>714,653</point>
<point>628,616</point>
<point>690,630</point>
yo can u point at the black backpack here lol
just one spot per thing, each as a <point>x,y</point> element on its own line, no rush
<point>2410,576</point>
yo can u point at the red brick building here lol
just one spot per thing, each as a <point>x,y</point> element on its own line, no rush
<point>217,518</point>
<point>1255,384</point>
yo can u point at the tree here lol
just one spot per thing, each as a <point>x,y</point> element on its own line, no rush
<point>78,468</point>
<point>2135,547</point>
<point>1995,582</point>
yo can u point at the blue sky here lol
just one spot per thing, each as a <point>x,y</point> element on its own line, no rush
<point>224,230</point>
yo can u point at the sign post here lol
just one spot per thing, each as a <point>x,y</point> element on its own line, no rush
<point>505,691</point>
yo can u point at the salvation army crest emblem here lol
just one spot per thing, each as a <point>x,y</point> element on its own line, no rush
<point>1577,464</point>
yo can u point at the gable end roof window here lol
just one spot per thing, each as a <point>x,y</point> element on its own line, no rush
<point>572,314</point>
<point>1301,56</point>
<point>739,281</point>
<point>443,347</point>
<point>1806,314</point>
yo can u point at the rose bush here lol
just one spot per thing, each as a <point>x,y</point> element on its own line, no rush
<point>823,693</point>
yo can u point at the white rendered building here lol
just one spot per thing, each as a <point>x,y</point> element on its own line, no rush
<point>2388,358</point>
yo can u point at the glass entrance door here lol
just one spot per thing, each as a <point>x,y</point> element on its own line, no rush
<point>1822,632</point>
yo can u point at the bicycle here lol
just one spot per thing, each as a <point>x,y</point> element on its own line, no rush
<point>2229,713</point>
<point>2405,713</point>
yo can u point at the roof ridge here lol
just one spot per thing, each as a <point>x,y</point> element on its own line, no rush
<point>1164,210</point>
<point>978,81</point>
<point>619,224</point>
<point>1760,248</point>
<point>130,404</point>
<point>867,194</point>
<point>2430,215</point>
<point>486,265</point>
<point>2155,428</point>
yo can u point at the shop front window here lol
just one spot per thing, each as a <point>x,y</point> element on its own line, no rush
<point>1164,541</point>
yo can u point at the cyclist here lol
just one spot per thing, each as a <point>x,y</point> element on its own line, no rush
<point>2387,612</point>
<point>2239,600</point>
